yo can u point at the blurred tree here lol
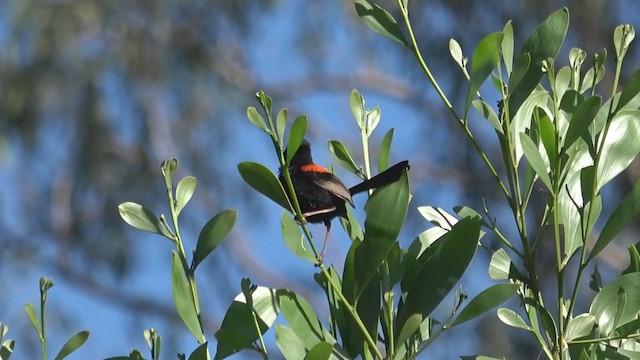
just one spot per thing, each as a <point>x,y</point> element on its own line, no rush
<point>94,94</point>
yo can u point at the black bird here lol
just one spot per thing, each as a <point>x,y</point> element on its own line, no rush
<point>322,196</point>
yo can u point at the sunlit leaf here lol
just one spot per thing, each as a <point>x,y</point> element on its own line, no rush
<point>580,326</point>
<point>139,217</point>
<point>606,305</point>
<point>184,192</point>
<point>621,147</point>
<point>509,317</point>
<point>342,156</point>
<point>379,20</point>
<point>256,119</point>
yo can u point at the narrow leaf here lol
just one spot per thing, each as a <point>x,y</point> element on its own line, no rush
<point>296,135</point>
<point>385,149</point>
<point>485,59</point>
<point>33,318</point>
<point>72,344</point>
<point>183,298</point>
<point>281,124</point>
<point>532,154</point>
<point>342,156</point>
<point>581,120</point>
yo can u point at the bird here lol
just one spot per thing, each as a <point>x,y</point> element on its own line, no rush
<point>322,195</point>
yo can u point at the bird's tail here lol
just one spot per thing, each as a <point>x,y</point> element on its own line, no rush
<point>386,177</point>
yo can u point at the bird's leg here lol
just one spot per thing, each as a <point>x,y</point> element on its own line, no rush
<point>327,223</point>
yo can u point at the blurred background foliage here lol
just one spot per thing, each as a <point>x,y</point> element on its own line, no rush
<point>95,94</point>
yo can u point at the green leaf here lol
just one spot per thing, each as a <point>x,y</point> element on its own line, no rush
<point>264,181</point>
<point>356,103</point>
<point>139,217</point>
<point>631,90</point>
<point>581,120</point>
<point>212,234</point>
<point>200,353</point>
<point>509,317</point>
<point>294,239</point>
<point>634,260</point>
<point>456,52</point>
<point>33,318</point>
<point>7,349</point>
<point>507,47</point>
<point>447,259</point>
<point>265,101</point>
<point>379,20</point>
<point>342,156</point>
<point>621,147</point>
<point>580,326</point>
<point>522,119</point>
<point>546,132</point>
<point>183,298</point>
<point>485,58</point>
<point>296,135</point>
<point>488,113</point>
<point>623,35</point>
<point>303,320</point>
<point>386,210</point>
<point>485,301</point>
<point>256,119</point>
<point>621,216</point>
<point>290,345</point>
<point>500,265</point>
<point>320,351</point>
<point>606,304</point>
<point>543,44</point>
<point>385,150</point>
<point>168,167</point>
<point>281,124</point>
<point>373,118</point>
<point>184,191</point>
<point>238,330</point>
<point>532,154</point>
<point>72,344</point>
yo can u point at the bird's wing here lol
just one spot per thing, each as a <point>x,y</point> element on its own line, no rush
<point>332,184</point>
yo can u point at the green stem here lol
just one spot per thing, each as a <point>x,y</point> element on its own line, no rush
<point>611,338</point>
<point>43,338</point>
<point>183,259</point>
<point>596,162</point>
<point>336,287</point>
<point>416,52</point>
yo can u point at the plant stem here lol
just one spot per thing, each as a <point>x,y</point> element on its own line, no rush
<point>416,52</point>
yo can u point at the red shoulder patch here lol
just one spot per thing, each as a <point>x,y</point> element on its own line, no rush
<point>314,168</point>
